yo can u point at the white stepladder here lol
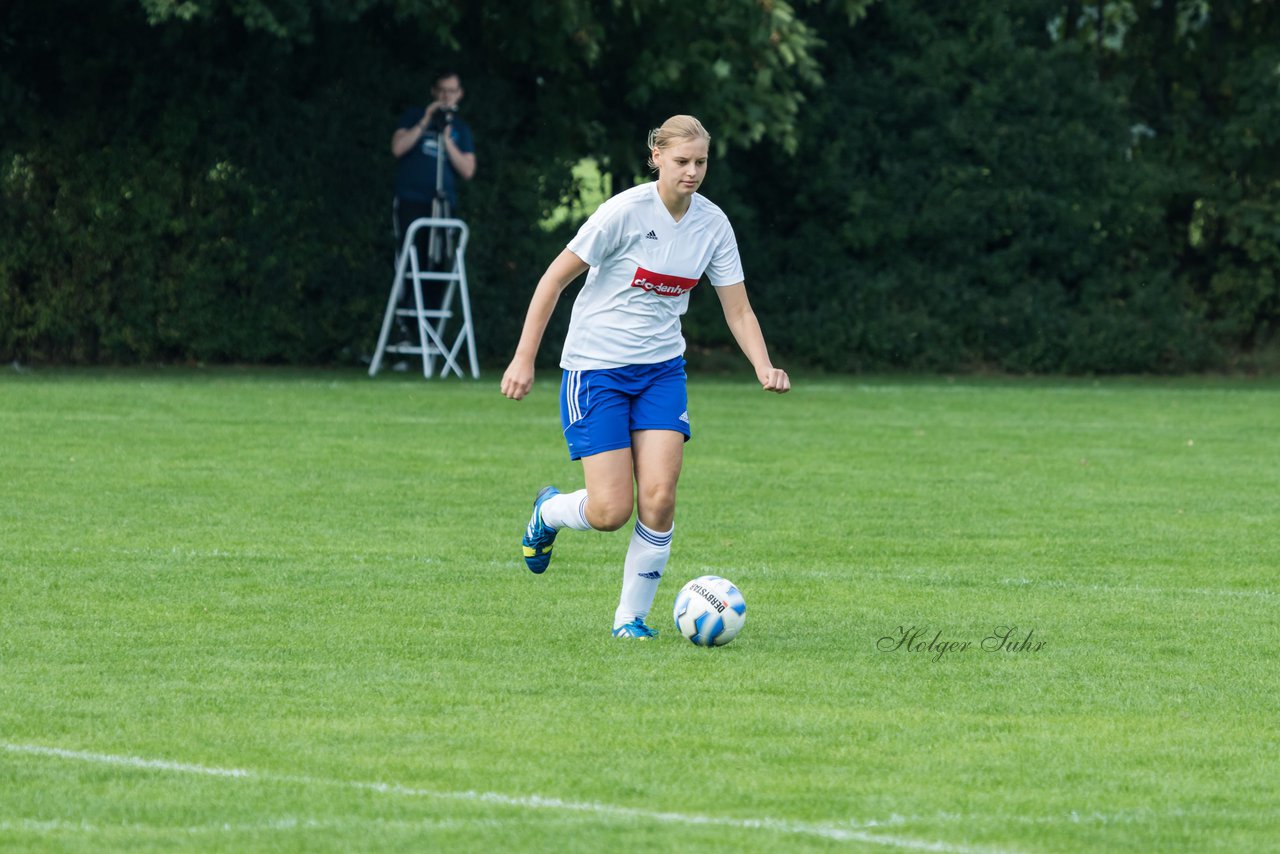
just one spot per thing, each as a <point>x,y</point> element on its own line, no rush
<point>431,323</point>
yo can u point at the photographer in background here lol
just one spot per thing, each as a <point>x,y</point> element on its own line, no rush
<point>422,180</point>
<point>416,144</point>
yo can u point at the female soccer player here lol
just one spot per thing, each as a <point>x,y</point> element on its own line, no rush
<point>623,400</point>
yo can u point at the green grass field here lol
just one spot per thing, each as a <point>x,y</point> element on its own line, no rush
<point>250,610</point>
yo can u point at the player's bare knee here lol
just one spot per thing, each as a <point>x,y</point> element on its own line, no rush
<point>611,522</point>
<point>607,515</point>
<point>658,503</point>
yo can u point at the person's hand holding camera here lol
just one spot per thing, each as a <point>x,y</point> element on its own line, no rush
<point>437,117</point>
<point>427,116</point>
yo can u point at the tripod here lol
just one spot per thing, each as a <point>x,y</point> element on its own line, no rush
<point>435,245</point>
<point>440,241</point>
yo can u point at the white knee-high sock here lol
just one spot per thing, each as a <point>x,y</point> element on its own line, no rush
<point>566,510</point>
<point>646,559</point>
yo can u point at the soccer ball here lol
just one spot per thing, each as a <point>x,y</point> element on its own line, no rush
<point>710,611</point>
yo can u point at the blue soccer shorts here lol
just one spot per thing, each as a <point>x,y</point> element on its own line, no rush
<point>600,409</point>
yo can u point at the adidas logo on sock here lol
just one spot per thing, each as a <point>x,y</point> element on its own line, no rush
<point>651,575</point>
<point>651,236</point>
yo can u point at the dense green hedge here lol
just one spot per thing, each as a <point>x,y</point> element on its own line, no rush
<point>966,190</point>
<point>966,197</point>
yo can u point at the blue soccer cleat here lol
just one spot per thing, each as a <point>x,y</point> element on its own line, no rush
<point>539,537</point>
<point>635,629</point>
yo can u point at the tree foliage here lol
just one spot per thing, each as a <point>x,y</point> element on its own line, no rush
<point>966,197</point>
<point>1203,81</point>
<point>1032,185</point>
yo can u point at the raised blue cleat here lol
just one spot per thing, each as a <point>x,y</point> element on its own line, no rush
<point>539,537</point>
<point>635,629</point>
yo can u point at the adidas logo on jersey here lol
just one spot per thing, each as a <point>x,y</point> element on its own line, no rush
<point>651,236</point>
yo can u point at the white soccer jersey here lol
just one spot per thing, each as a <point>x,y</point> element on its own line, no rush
<point>643,265</point>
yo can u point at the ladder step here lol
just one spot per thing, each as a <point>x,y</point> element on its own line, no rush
<point>426,312</point>
<point>413,349</point>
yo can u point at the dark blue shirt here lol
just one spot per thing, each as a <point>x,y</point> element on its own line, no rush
<point>416,170</point>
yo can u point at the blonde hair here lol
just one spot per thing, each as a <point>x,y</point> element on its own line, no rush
<point>673,130</point>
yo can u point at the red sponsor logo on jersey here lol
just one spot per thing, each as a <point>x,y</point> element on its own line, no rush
<point>661,284</point>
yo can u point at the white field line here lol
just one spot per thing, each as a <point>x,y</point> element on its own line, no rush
<point>1142,591</point>
<point>285,823</point>
<point>836,833</point>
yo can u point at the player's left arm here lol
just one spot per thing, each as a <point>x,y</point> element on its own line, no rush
<point>746,331</point>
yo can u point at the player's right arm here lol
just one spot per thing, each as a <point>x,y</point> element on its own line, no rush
<point>518,378</point>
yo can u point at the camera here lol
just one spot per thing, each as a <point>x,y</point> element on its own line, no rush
<point>443,118</point>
